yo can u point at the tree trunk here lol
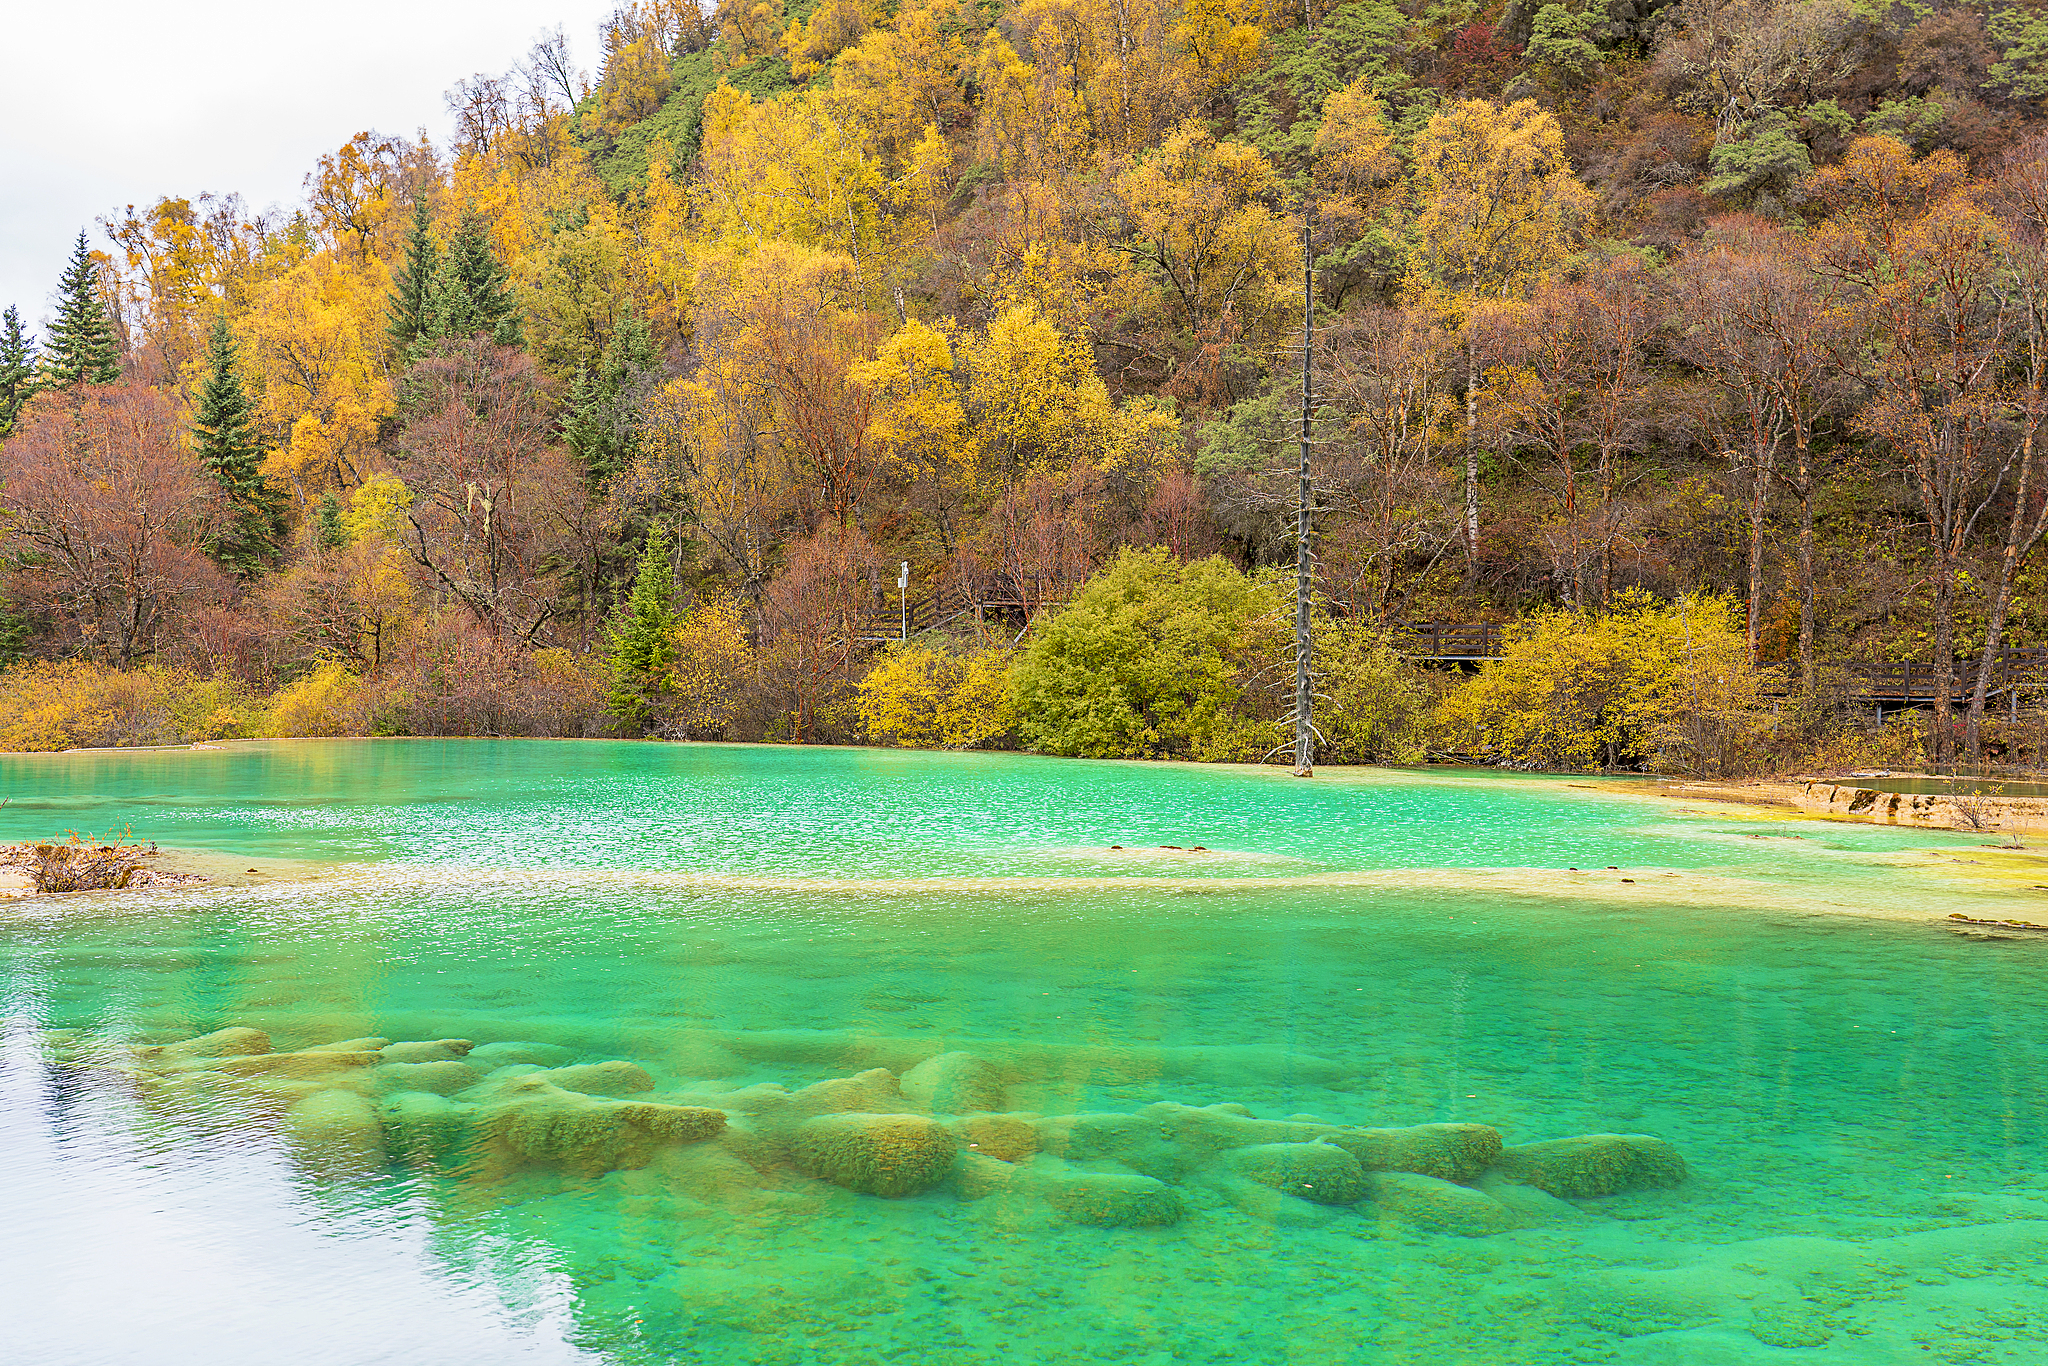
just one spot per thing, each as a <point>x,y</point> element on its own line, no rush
<point>1944,649</point>
<point>1803,454</point>
<point>2022,534</point>
<point>1760,486</point>
<point>1471,462</point>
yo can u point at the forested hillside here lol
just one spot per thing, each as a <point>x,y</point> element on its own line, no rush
<point>1722,321</point>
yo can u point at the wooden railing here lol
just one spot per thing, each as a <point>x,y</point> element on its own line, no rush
<point>1909,681</point>
<point>1448,640</point>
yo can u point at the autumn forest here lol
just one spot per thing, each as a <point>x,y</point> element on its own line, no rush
<point>930,373</point>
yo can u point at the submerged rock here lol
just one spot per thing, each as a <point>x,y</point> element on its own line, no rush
<point>492,1056</point>
<point>222,1043</point>
<point>433,1050</point>
<point>874,1092</point>
<point>1104,1199</point>
<point>1441,1206</point>
<point>1010,1138</point>
<point>1209,1129</point>
<point>441,1078</point>
<point>423,1127</point>
<point>305,1066</point>
<point>877,1154</point>
<point>975,1177</point>
<point>368,1044</point>
<point>603,1078</point>
<point>1448,1152</point>
<point>537,1122</point>
<point>1593,1164</point>
<point>335,1128</point>
<point>955,1084</point>
<point>1319,1172</point>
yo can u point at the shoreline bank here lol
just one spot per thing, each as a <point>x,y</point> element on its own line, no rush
<point>1962,812</point>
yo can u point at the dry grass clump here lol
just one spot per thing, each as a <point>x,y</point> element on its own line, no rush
<point>83,863</point>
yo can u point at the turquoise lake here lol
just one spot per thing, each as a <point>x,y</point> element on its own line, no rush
<point>1859,1093</point>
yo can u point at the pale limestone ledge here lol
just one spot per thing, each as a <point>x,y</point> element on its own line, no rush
<point>1925,810</point>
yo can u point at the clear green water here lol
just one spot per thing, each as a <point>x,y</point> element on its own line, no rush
<point>1863,1101</point>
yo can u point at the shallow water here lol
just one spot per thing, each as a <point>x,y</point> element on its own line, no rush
<point>1862,1099</point>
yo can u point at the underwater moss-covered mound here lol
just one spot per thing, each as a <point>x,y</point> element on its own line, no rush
<point>939,1125</point>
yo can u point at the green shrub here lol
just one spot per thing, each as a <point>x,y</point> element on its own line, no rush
<point>1149,661</point>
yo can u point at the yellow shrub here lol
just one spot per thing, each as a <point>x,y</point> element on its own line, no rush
<point>926,699</point>
<point>1668,685</point>
<point>701,694</point>
<point>327,701</point>
<point>73,703</point>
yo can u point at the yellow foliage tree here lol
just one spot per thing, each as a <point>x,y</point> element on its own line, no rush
<point>919,422</point>
<point>708,674</point>
<point>312,340</point>
<point>1496,203</point>
<point>1356,171</point>
<point>1194,213</point>
<point>902,79</point>
<point>1035,401</point>
<point>922,698</point>
<point>789,169</point>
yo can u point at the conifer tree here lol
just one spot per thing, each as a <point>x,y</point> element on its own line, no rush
<point>643,636</point>
<point>602,429</point>
<point>470,291</point>
<point>82,349</point>
<point>327,527</point>
<point>411,313</point>
<point>231,453</point>
<point>17,368</point>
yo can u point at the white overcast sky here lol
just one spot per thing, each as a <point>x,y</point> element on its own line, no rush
<point>114,102</point>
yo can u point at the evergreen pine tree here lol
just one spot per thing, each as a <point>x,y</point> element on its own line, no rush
<point>17,368</point>
<point>230,452</point>
<point>643,636</point>
<point>82,349</point>
<point>470,291</point>
<point>586,427</point>
<point>410,315</point>
<point>602,429</point>
<point>327,527</point>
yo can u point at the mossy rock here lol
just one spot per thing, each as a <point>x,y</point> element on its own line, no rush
<point>1318,1172</point>
<point>1591,1165</point>
<point>955,1084</point>
<point>1109,1199</point>
<point>492,1056</point>
<point>335,1129</point>
<point>975,1177</point>
<point>420,1126</point>
<point>1448,1152</point>
<point>545,1125</point>
<point>603,1079</point>
<point>234,1042</point>
<point>1208,1129</point>
<point>367,1044</point>
<point>1008,1138</point>
<point>305,1066</point>
<point>442,1078</point>
<point>872,1092</point>
<point>427,1050</point>
<point>876,1154</point>
<point>1440,1206</point>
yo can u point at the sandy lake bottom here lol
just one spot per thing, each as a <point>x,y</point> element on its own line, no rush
<point>1859,1093</point>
